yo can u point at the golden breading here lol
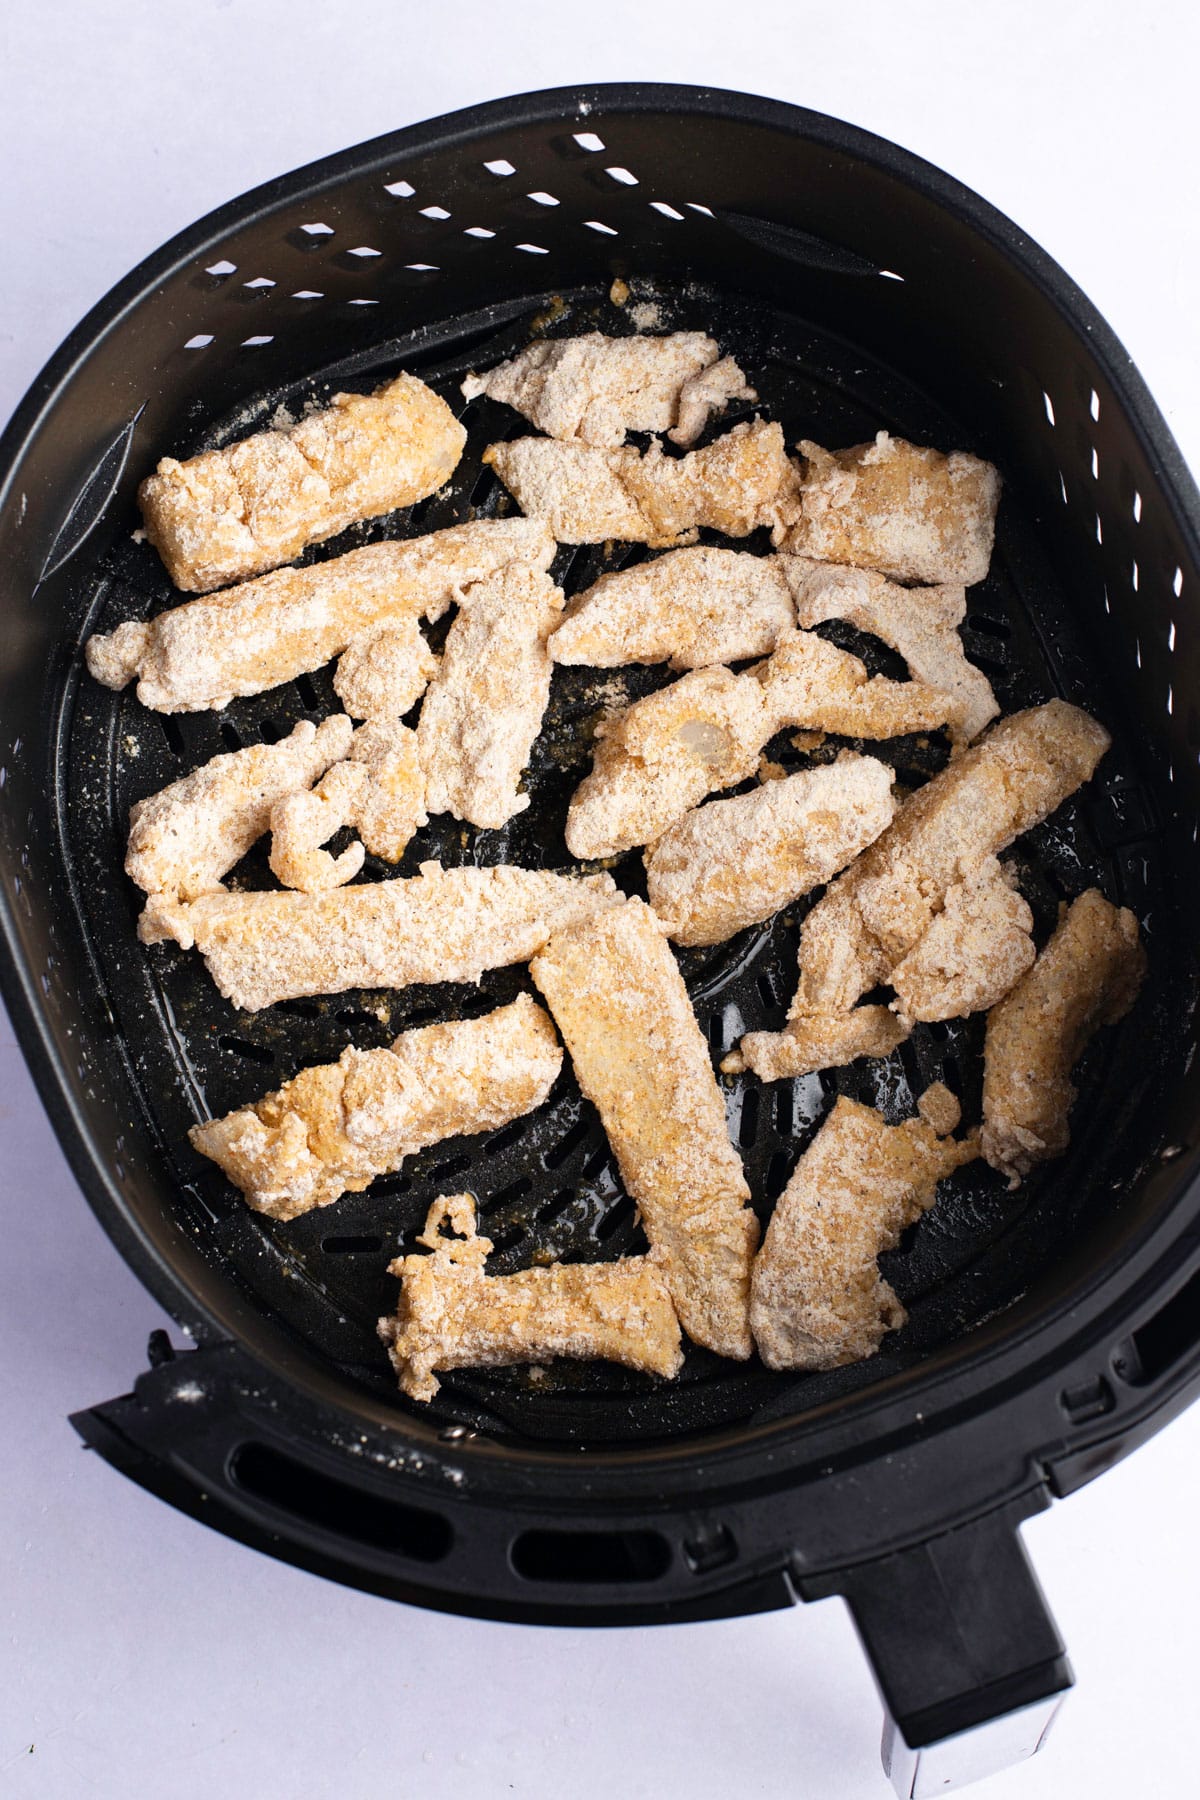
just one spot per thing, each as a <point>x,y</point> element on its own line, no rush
<point>441,925</point>
<point>485,705</point>
<point>391,805</point>
<point>735,484</point>
<point>977,947</point>
<point>451,1315</point>
<point>735,862</point>
<point>910,513</point>
<point>379,789</point>
<point>693,607</point>
<point>1088,975</point>
<point>818,1040</point>
<point>383,672</point>
<point>336,1126</point>
<point>921,623</point>
<point>619,1001</point>
<point>818,1299</point>
<point>253,637</point>
<point>594,389</point>
<point>230,513</point>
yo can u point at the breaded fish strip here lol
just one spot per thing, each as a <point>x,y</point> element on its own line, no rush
<point>735,862</point>
<point>185,838</point>
<point>818,1299</point>
<point>595,388</point>
<point>336,1126</point>
<point>910,513</point>
<point>383,672</point>
<point>486,702</point>
<point>451,1315</point>
<point>252,637</point>
<point>693,607</point>
<point>1088,975</point>
<point>735,484</point>
<point>875,914</point>
<point>379,789</point>
<point>619,1001</point>
<point>971,954</point>
<point>442,925</point>
<point>660,757</point>
<point>230,513</point>
<point>921,623</point>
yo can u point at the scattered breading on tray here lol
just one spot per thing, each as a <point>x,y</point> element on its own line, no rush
<point>735,862</point>
<point>1089,975</point>
<point>208,652</point>
<point>440,925</point>
<point>619,1000</point>
<point>817,1298</point>
<point>908,512</point>
<point>735,484</point>
<point>379,789</point>
<point>336,1126</point>
<point>485,705</point>
<point>453,1315</point>
<point>594,388</point>
<point>227,514</point>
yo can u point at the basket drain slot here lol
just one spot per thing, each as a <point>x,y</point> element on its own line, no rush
<point>318,1499</point>
<point>590,1556</point>
<point>1163,1340</point>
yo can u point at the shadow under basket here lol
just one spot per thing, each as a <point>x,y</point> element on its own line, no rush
<point>1050,1330</point>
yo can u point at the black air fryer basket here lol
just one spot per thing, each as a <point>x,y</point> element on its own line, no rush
<point>1050,1331</point>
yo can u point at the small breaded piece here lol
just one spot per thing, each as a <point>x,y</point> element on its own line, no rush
<point>185,838</point>
<point>485,705</point>
<point>379,788</point>
<point>228,514</point>
<point>817,1041</point>
<point>391,806</point>
<point>692,607</point>
<point>921,623</point>
<point>619,1001</point>
<point>971,954</point>
<point>911,513</point>
<point>735,862</point>
<point>735,484</point>
<point>253,637</point>
<point>818,1300</point>
<point>441,925</point>
<point>452,1315</point>
<point>336,1126</point>
<point>593,389</point>
<point>1089,975</point>
<point>384,671</point>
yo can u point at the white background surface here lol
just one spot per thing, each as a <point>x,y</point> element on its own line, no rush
<point>143,1655</point>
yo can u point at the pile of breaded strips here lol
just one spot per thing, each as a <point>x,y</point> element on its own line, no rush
<point>884,535</point>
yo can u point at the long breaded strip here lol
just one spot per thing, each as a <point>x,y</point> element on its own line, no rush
<point>485,705</point>
<point>452,1315</point>
<point>735,484</point>
<point>595,388</point>
<point>910,513</point>
<point>693,607</point>
<point>252,637</point>
<point>230,513</point>
<point>336,1126</point>
<point>921,623</point>
<point>734,862</point>
<point>442,925</point>
<point>818,1299</point>
<point>1088,975</point>
<point>183,839</point>
<point>620,1003</point>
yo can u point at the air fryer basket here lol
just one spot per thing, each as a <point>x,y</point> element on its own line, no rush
<point>1049,1330</point>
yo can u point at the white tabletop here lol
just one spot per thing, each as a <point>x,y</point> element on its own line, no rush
<point>142,1654</point>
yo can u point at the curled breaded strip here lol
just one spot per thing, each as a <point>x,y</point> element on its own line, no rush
<point>379,789</point>
<point>383,672</point>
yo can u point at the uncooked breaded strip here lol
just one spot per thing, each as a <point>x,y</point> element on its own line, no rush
<point>379,789</point>
<point>817,1041</point>
<point>334,1127</point>
<point>693,607</point>
<point>818,1299</point>
<point>183,839</point>
<point>442,925</point>
<point>384,671</point>
<point>619,1001</point>
<point>971,954</point>
<point>230,513</point>
<point>735,862</point>
<point>811,683</point>
<point>451,1315</point>
<point>594,388</point>
<point>252,637</point>
<point>1088,975</point>
<point>735,484</point>
<point>909,512</point>
<point>921,623</point>
<point>485,705</point>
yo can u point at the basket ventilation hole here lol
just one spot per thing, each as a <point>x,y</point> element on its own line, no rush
<point>403,190</point>
<point>1049,405</point>
<point>623,176</point>
<point>1095,463</point>
<point>1137,507</point>
<point>1099,530</point>
<point>668,212</point>
<point>317,230</point>
<point>890,275</point>
<point>434,212</point>
<point>1177,583</point>
<point>365,250</point>
<point>252,343</point>
<point>542,198</point>
<point>1171,636</point>
<point>221,268</point>
<point>362,303</point>
<point>595,225</point>
<point>499,167</point>
<point>695,206</point>
<point>587,140</point>
<point>260,281</point>
<point>534,249</point>
<point>308,294</point>
<point>1137,646</point>
<point>1095,404</point>
<point>200,342</point>
<point>423,268</point>
<point>1062,482</point>
<point>1170,700</point>
<point>1133,576</point>
<point>478,231</point>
